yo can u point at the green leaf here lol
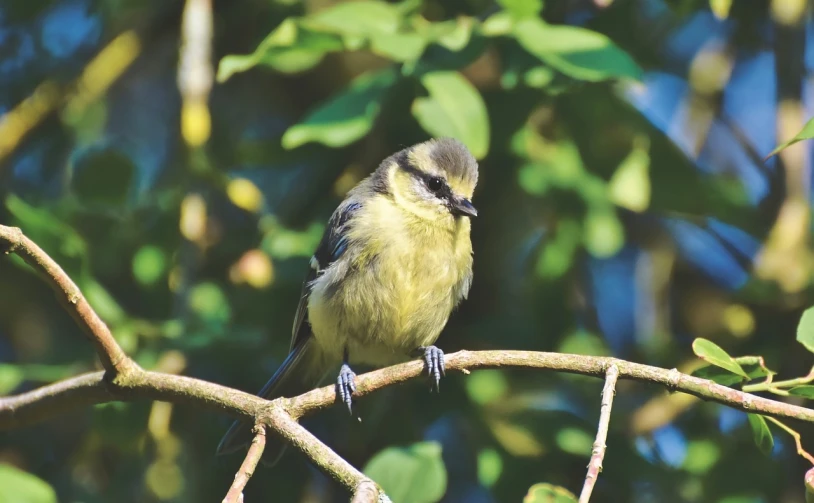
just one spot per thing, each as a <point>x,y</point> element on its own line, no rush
<point>149,264</point>
<point>347,116</point>
<point>701,456</point>
<point>575,441</point>
<point>629,187</point>
<point>806,133</point>
<point>490,467</point>
<point>414,474</point>
<point>522,8</point>
<point>454,109</point>
<point>604,234</point>
<point>10,377</point>
<point>712,353</point>
<point>486,386</point>
<point>497,25</point>
<point>806,391</point>
<point>548,493</point>
<point>718,375</point>
<point>290,48</point>
<point>361,17</point>
<point>22,487</point>
<point>402,47</point>
<point>720,8</point>
<point>577,52</point>
<point>805,329</point>
<point>761,433</point>
<point>749,364</point>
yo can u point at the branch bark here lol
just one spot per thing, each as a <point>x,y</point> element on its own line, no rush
<point>123,379</point>
<point>598,451</point>
<point>246,470</point>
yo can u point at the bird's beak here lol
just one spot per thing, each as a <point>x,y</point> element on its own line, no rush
<point>463,207</point>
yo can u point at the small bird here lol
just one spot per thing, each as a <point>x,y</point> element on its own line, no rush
<point>394,261</point>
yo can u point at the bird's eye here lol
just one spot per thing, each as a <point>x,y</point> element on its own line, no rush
<point>435,184</point>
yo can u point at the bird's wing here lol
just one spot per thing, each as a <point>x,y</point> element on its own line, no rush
<point>332,246</point>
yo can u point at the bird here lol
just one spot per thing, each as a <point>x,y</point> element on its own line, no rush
<point>394,261</point>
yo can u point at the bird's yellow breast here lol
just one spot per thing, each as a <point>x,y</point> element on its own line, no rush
<point>397,294</point>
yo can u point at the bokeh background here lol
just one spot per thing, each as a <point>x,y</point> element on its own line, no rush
<point>625,209</point>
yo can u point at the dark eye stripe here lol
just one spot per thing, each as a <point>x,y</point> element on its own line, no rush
<point>443,189</point>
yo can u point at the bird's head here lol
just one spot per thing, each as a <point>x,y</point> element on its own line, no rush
<point>434,180</point>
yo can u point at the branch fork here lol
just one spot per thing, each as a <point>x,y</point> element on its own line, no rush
<point>123,379</point>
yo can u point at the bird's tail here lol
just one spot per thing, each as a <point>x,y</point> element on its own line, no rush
<point>289,380</point>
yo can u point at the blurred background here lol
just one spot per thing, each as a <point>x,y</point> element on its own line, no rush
<point>180,159</point>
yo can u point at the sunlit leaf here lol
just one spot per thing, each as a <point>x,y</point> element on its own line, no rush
<point>712,353</point>
<point>805,329</point>
<point>290,48</point>
<point>22,487</point>
<point>522,8</point>
<point>498,24</point>
<point>517,439</point>
<point>720,8</point>
<point>454,109</point>
<point>361,17</point>
<point>761,434</point>
<point>806,133</point>
<point>490,467</point>
<point>577,52</point>
<point>10,377</point>
<point>149,264</point>
<point>486,386</point>
<point>717,375</point>
<point>582,342</point>
<point>806,391</point>
<point>401,47</point>
<point>575,441</point>
<point>548,493</point>
<point>415,474</point>
<point>604,234</point>
<point>210,303</point>
<point>701,456</point>
<point>347,116</point>
<point>629,187</point>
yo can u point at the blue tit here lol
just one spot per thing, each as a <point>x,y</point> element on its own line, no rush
<point>395,260</point>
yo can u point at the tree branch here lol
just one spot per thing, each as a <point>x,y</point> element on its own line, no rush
<point>124,380</point>
<point>598,451</point>
<point>246,470</point>
<point>113,358</point>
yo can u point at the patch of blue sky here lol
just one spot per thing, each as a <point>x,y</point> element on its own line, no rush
<point>613,290</point>
<point>670,445</point>
<point>699,30</point>
<point>69,27</point>
<point>704,251</point>
<point>750,99</point>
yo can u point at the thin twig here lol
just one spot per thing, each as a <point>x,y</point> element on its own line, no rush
<point>797,440</point>
<point>598,451</point>
<point>113,358</point>
<point>246,470</point>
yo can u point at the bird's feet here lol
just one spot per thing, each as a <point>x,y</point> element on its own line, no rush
<point>434,359</point>
<point>345,385</point>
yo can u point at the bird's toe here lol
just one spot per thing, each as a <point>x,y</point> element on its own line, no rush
<point>436,367</point>
<point>345,386</point>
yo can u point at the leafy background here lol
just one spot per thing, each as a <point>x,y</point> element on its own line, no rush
<point>626,209</point>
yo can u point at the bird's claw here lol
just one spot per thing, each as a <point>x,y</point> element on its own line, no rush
<point>345,385</point>
<point>436,367</point>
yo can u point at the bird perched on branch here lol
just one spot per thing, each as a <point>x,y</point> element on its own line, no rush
<point>395,260</point>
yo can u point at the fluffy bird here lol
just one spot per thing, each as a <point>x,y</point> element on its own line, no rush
<point>395,260</point>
